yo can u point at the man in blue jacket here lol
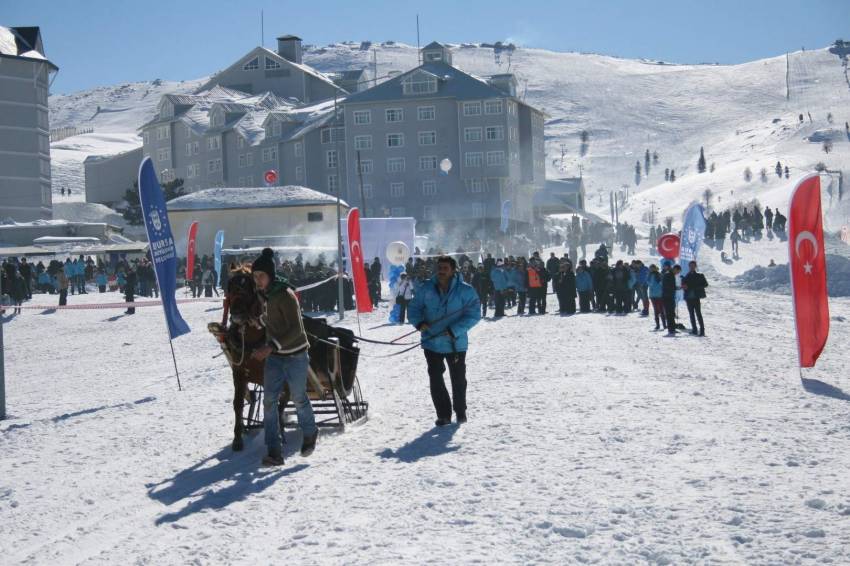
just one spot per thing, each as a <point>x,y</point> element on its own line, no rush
<point>500,284</point>
<point>443,310</point>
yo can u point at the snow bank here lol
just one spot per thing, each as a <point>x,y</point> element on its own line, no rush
<point>777,279</point>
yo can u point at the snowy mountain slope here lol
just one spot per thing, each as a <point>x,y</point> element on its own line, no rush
<point>743,115</point>
<point>574,453</point>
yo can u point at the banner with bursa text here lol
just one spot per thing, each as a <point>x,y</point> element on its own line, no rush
<point>693,232</point>
<point>162,248</point>
<point>218,244</point>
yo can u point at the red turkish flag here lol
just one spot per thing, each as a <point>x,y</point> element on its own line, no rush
<point>355,252</point>
<point>808,270</point>
<point>190,250</point>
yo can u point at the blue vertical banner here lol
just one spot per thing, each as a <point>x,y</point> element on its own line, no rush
<point>219,243</point>
<point>163,251</point>
<point>506,216</point>
<point>693,232</point>
<point>395,278</point>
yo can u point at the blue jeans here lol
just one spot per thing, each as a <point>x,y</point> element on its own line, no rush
<point>291,370</point>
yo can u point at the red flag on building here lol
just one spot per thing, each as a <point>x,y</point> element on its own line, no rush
<point>808,270</point>
<point>190,251</point>
<point>355,252</point>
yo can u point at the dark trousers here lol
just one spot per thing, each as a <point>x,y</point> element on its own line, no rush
<point>670,312</point>
<point>402,305</point>
<point>130,298</point>
<point>483,299</point>
<point>457,373</point>
<point>584,301</point>
<point>500,303</point>
<point>695,310</point>
<point>520,306</point>
<point>63,297</point>
<point>660,315</point>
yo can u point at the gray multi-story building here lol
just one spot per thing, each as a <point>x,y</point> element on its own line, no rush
<point>24,128</point>
<point>444,147</point>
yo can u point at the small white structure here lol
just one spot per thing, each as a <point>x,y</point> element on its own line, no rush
<point>251,215</point>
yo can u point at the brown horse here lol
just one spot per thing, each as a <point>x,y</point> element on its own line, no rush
<point>238,340</point>
<point>332,373</point>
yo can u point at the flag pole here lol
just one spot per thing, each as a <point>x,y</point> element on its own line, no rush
<point>174,359</point>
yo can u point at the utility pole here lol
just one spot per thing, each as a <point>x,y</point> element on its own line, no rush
<point>2,370</point>
<point>340,292</point>
<point>418,51</point>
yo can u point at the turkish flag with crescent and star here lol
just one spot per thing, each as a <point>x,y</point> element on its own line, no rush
<point>808,270</point>
<point>355,252</point>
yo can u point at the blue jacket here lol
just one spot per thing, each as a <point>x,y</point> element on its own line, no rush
<point>655,287</point>
<point>518,279</point>
<point>643,275</point>
<point>584,282</point>
<point>499,277</point>
<point>100,279</point>
<point>449,315</point>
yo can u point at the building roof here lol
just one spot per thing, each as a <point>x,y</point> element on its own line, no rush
<point>24,43</point>
<point>453,83</point>
<point>224,198</point>
<point>285,37</point>
<point>564,185</point>
<point>435,45</point>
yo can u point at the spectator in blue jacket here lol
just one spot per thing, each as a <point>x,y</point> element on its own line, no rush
<point>584,286</point>
<point>500,285</point>
<point>655,290</point>
<point>443,311</point>
<point>70,271</point>
<point>101,281</point>
<point>641,272</point>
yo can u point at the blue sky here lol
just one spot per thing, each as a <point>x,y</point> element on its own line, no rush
<point>100,42</point>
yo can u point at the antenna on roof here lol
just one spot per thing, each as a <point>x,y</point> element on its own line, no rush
<point>262,30</point>
<point>418,52</point>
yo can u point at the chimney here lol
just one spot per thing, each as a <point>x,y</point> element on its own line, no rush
<point>289,47</point>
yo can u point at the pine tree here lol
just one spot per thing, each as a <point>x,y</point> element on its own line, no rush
<point>787,173</point>
<point>701,162</point>
<point>646,162</point>
<point>655,158</point>
<point>672,175</point>
<point>637,173</point>
<point>711,169</point>
<point>667,174</point>
<point>132,213</point>
<point>779,169</point>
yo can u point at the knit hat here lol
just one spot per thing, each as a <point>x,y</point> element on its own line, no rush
<point>265,263</point>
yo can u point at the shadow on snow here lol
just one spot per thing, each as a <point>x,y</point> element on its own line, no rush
<point>818,387</point>
<point>431,443</point>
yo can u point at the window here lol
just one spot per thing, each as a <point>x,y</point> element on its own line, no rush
<point>217,119</point>
<point>368,192</point>
<point>242,160</point>
<point>333,183</point>
<point>163,154</point>
<point>419,83</point>
<point>214,165</point>
<point>240,142</point>
<point>433,56</point>
<point>395,165</point>
<point>241,182</point>
<point>252,65</point>
<point>189,148</point>
<point>271,64</point>
<point>214,143</point>
<point>429,212</point>
<point>427,138</point>
<point>426,113</point>
<point>277,128</point>
<point>269,154</point>
<point>331,159</point>
<point>495,133</point>
<point>493,107</point>
<point>193,170</point>
<point>44,167</point>
<point>188,131</point>
<point>362,142</point>
<point>396,190</point>
<point>473,159</point>
<point>249,159</point>
<point>513,134</point>
<point>166,176</point>
<point>249,181</point>
<point>299,149</point>
<point>495,158</point>
<point>427,162</point>
<point>395,140</point>
<point>429,188</point>
<point>163,133</point>
<point>299,173</point>
<point>43,121</point>
<point>397,211</point>
<point>394,114</point>
<point>314,217</point>
<point>330,135</point>
<point>471,135</point>
<point>146,138</point>
<point>366,166</point>
<point>362,117</point>
<point>478,210</point>
<point>476,185</point>
<point>471,108</point>
<point>196,147</point>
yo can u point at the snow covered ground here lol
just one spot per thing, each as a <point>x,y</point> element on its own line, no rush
<point>591,439</point>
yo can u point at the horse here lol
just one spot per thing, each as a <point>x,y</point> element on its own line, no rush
<point>238,340</point>
<point>332,373</point>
